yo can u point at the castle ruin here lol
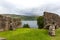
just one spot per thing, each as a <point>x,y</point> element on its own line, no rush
<point>49,18</point>
<point>9,23</point>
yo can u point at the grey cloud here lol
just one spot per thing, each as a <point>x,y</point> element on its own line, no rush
<point>11,8</point>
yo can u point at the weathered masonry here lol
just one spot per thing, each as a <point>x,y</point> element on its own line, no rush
<point>8,23</point>
<point>49,18</point>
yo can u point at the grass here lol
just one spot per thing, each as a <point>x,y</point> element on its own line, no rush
<point>29,34</point>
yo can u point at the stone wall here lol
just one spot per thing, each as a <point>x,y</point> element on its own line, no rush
<point>49,18</point>
<point>8,23</point>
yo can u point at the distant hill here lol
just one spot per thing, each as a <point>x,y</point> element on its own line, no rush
<point>23,17</point>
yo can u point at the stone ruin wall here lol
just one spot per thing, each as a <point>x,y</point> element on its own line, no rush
<point>7,23</point>
<point>51,17</point>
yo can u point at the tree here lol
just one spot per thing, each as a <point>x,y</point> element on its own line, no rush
<point>40,22</point>
<point>26,26</point>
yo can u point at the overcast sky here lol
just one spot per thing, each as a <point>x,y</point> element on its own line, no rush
<point>29,7</point>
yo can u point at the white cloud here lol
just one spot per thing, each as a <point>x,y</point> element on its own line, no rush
<point>27,3</point>
<point>15,6</point>
<point>32,3</point>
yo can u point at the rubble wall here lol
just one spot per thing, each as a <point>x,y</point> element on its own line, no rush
<point>49,18</point>
<point>7,23</point>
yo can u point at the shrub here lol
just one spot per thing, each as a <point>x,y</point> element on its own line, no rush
<point>40,22</point>
<point>26,26</point>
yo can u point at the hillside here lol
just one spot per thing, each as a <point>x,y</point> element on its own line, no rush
<point>23,17</point>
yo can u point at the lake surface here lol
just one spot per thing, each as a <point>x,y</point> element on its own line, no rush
<point>32,24</point>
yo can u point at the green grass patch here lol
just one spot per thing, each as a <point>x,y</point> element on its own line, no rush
<point>29,34</point>
<point>26,34</point>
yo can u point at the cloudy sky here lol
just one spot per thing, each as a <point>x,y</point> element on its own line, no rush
<point>29,7</point>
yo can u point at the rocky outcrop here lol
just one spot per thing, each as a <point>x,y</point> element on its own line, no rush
<point>49,18</point>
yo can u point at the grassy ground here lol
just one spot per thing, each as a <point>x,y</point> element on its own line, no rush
<point>29,34</point>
